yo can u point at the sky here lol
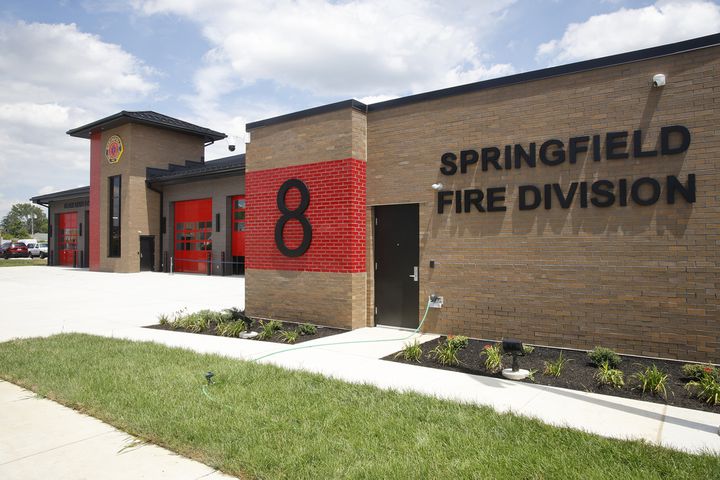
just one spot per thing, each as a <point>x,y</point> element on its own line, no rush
<point>223,63</point>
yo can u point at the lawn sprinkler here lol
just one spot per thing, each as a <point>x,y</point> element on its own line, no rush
<point>515,348</point>
<point>209,377</point>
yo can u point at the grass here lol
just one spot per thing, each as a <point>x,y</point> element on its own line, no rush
<point>21,262</point>
<point>263,421</point>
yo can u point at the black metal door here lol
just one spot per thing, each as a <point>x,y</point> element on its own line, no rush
<point>397,256</point>
<point>147,253</point>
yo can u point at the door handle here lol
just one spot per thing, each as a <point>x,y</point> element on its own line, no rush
<point>415,275</point>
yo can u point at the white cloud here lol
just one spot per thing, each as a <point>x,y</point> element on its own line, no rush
<point>631,29</point>
<point>363,48</point>
<point>56,77</point>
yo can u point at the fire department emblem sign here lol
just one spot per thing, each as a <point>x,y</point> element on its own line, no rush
<point>114,149</point>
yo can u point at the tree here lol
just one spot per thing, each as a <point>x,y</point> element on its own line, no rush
<point>24,220</point>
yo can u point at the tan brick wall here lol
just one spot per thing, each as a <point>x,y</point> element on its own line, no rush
<point>332,299</point>
<point>642,279</point>
<point>144,146</point>
<point>318,138</point>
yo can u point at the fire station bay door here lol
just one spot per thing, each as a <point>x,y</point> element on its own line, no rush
<point>397,255</point>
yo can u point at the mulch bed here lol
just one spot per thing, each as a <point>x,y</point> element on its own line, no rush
<point>577,374</point>
<point>211,330</point>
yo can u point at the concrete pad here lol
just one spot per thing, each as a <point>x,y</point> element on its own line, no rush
<point>42,439</point>
<point>30,426</point>
<point>690,430</point>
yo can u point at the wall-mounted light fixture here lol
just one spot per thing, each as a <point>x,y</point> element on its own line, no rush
<point>658,80</point>
<point>437,186</point>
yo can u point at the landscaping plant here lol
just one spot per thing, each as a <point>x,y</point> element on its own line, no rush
<point>289,336</point>
<point>458,341</point>
<point>652,380</point>
<point>235,314</point>
<point>268,328</point>
<point>411,352</point>
<point>493,357</point>
<point>554,368</point>
<point>707,388</point>
<point>600,355</point>
<point>307,329</point>
<point>231,329</point>
<point>606,375</point>
<point>528,349</point>
<point>698,370</point>
<point>446,353</point>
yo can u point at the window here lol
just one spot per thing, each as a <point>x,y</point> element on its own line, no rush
<point>114,216</point>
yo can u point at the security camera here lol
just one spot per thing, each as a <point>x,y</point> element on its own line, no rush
<point>231,144</point>
<point>437,186</point>
<point>658,80</point>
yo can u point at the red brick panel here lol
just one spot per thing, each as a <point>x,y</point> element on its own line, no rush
<point>96,155</point>
<point>336,213</point>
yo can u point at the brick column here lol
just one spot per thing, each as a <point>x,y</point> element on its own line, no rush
<point>325,151</point>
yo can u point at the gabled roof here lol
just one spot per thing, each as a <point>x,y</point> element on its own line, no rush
<point>148,117</point>
<point>193,170</point>
<point>62,195</point>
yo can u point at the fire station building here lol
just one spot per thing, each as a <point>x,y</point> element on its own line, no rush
<point>571,206</point>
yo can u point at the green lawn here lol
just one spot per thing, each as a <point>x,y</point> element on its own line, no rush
<point>263,421</point>
<point>22,262</point>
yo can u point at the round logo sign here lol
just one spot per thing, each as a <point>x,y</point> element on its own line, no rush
<point>114,149</point>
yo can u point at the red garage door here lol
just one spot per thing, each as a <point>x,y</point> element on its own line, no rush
<point>67,238</point>
<point>193,230</point>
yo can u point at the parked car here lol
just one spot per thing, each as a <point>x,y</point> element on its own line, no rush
<point>13,250</point>
<point>38,249</point>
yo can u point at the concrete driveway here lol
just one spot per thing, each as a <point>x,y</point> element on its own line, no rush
<point>41,301</point>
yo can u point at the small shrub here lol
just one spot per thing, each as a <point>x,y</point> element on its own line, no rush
<point>307,329</point>
<point>446,354</point>
<point>289,336</point>
<point>531,374</point>
<point>234,314</point>
<point>230,329</point>
<point>600,355</point>
<point>163,319</point>
<point>707,389</point>
<point>458,341</point>
<point>493,360</point>
<point>411,352</point>
<point>528,349</point>
<point>652,380</point>
<point>555,367</point>
<point>606,375</point>
<point>697,370</point>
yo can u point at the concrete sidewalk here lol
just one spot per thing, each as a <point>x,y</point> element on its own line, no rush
<point>41,439</point>
<point>117,305</point>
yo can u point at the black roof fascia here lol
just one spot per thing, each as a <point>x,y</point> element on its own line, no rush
<point>55,196</point>
<point>143,118</point>
<point>609,61</point>
<point>354,104</point>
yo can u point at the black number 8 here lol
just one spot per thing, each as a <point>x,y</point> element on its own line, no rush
<point>296,214</point>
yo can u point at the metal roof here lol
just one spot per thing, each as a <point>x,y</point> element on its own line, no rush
<point>62,195</point>
<point>232,165</point>
<point>150,118</point>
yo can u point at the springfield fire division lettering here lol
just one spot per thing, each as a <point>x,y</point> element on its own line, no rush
<point>674,140</point>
